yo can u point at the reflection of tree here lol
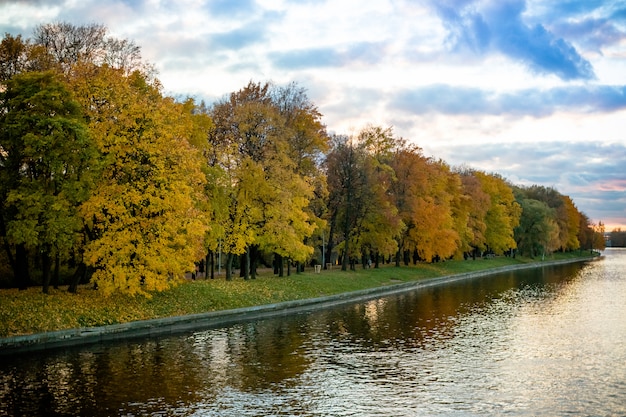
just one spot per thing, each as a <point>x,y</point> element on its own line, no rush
<point>272,352</point>
<point>382,338</point>
<point>416,319</point>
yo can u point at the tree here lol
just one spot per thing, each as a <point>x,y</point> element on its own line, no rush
<point>537,231</point>
<point>503,214</point>
<point>349,179</point>
<point>378,232</point>
<point>428,196</point>
<point>598,231</point>
<point>307,143</point>
<point>147,216</point>
<point>13,56</point>
<point>571,223</point>
<point>618,237</point>
<point>474,240</point>
<point>45,159</point>
<point>68,45</point>
<point>267,195</point>
<point>304,131</point>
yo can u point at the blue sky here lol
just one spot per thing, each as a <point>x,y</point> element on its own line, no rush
<point>534,90</point>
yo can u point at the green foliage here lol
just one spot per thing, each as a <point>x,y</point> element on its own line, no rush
<point>536,228</point>
<point>45,167</point>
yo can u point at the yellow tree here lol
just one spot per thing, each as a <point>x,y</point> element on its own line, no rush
<point>377,234</point>
<point>146,217</point>
<point>572,216</point>
<point>307,142</point>
<point>474,240</point>
<point>435,235</point>
<point>410,168</point>
<point>427,195</point>
<point>503,214</point>
<point>267,195</point>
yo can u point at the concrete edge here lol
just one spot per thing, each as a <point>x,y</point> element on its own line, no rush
<point>179,324</point>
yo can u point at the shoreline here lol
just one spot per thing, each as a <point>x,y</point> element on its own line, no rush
<point>215,319</point>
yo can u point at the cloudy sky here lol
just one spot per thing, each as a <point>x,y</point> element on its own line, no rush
<point>534,90</point>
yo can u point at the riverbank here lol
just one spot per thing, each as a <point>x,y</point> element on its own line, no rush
<point>213,303</point>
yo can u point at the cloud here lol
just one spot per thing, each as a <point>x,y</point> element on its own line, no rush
<point>357,53</point>
<point>592,33</point>
<point>231,8</point>
<point>306,58</point>
<point>458,100</point>
<point>240,38</point>
<point>591,173</point>
<point>498,27</point>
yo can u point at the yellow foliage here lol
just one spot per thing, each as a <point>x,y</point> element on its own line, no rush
<point>149,211</point>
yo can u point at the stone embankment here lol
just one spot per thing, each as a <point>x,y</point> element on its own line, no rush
<point>179,324</point>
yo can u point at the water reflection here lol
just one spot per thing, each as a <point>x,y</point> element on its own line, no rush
<point>542,342</point>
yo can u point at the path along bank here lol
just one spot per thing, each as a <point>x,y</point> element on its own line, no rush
<point>179,324</point>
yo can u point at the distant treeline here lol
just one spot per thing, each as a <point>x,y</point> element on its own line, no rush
<point>104,179</point>
<point>617,238</point>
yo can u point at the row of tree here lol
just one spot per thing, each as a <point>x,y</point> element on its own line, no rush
<point>101,172</point>
<point>617,238</point>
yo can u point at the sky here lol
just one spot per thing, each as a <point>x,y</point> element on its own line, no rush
<point>534,90</point>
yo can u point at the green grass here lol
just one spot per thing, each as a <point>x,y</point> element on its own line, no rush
<point>30,311</point>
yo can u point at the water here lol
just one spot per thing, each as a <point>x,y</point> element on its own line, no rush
<point>542,342</point>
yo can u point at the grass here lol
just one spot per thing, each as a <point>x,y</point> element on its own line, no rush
<point>30,311</point>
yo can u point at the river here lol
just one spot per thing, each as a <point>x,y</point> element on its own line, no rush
<point>548,341</point>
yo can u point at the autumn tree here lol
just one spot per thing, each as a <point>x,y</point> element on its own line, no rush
<point>13,56</point>
<point>378,233</point>
<point>598,231</point>
<point>267,197</point>
<point>473,240</point>
<point>348,177</point>
<point>503,214</point>
<point>571,224</point>
<point>46,168</point>
<point>362,215</point>
<point>146,217</point>
<point>428,196</point>
<point>307,143</point>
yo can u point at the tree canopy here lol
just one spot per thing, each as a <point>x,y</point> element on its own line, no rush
<point>105,176</point>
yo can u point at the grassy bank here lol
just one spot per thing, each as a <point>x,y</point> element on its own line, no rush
<point>30,311</point>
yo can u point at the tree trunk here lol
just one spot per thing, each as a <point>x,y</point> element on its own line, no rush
<point>279,267</point>
<point>229,267</point>
<point>46,264</point>
<point>22,274</point>
<point>79,273</point>
<point>346,257</point>
<point>254,260</point>
<point>7,248</point>
<point>246,264</point>
<point>211,258</point>
<point>55,274</point>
